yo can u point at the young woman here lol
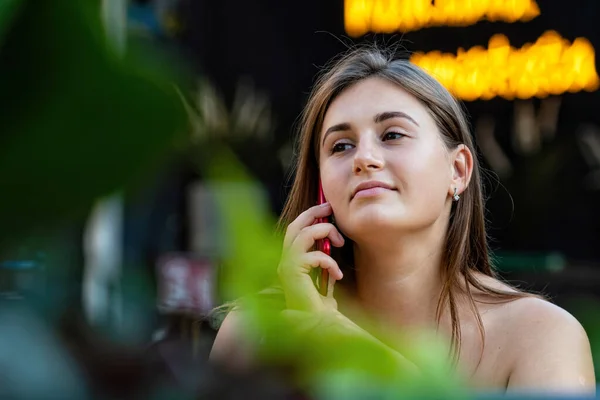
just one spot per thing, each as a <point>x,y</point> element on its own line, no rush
<point>399,170</point>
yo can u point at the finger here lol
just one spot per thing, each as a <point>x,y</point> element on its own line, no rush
<point>330,287</point>
<point>299,289</point>
<point>318,259</point>
<point>305,240</point>
<point>305,262</point>
<point>305,219</point>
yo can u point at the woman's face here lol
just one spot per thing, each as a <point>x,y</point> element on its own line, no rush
<point>377,135</point>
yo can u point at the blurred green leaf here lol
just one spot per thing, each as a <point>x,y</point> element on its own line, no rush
<point>252,250</point>
<point>77,121</point>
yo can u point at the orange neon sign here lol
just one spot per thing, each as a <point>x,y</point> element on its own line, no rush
<point>388,16</point>
<point>551,65</point>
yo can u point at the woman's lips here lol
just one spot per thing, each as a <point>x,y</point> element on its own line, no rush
<point>371,192</point>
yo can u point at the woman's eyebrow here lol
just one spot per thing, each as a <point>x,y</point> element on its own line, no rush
<point>336,128</point>
<point>393,114</point>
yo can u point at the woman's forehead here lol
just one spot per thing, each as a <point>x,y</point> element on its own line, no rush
<point>368,98</point>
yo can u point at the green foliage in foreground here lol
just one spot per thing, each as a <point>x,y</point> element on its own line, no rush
<point>79,120</point>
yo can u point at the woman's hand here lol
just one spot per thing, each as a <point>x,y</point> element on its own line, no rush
<point>326,337</point>
<point>299,259</point>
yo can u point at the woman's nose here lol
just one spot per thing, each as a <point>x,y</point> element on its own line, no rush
<point>368,156</point>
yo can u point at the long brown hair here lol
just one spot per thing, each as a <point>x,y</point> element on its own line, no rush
<point>466,250</point>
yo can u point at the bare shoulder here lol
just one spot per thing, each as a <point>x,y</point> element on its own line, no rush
<point>549,349</point>
<point>231,346</point>
<point>237,339</point>
<point>536,320</point>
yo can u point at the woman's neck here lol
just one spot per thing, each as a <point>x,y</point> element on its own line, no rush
<point>399,282</point>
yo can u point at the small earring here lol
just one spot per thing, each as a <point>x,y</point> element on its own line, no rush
<point>456,197</point>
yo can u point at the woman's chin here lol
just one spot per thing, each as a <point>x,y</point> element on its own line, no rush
<point>375,221</point>
<point>377,214</point>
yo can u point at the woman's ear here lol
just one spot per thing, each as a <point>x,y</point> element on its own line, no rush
<point>462,169</point>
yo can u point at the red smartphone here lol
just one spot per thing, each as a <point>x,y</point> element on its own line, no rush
<point>323,245</point>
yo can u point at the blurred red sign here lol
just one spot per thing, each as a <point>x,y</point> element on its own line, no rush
<point>185,284</point>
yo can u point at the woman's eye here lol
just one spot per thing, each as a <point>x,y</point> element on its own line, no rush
<point>393,135</point>
<point>339,147</point>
